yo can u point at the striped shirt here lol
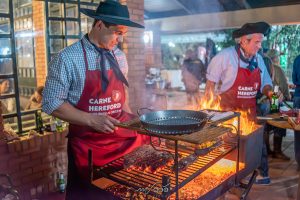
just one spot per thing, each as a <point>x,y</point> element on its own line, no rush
<point>66,74</point>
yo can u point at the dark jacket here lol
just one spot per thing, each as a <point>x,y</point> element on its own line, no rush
<point>296,76</point>
<point>195,67</point>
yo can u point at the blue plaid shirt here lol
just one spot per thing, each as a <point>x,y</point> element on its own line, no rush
<point>66,74</point>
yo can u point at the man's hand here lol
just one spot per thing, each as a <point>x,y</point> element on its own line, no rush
<point>292,86</point>
<point>102,123</point>
<point>267,90</point>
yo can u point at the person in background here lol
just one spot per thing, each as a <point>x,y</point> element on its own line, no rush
<point>8,105</point>
<point>35,101</point>
<point>263,108</point>
<point>211,51</point>
<point>4,86</point>
<point>193,72</point>
<point>296,82</point>
<point>278,78</point>
<point>238,69</point>
<point>86,87</point>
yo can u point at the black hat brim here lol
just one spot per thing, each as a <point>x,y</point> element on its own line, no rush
<point>110,19</point>
<point>250,28</point>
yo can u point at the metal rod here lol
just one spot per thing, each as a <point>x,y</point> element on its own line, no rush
<point>14,65</point>
<point>238,150</point>
<point>176,168</point>
<point>249,185</point>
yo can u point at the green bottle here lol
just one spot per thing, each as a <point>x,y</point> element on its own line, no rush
<point>59,125</point>
<point>61,183</point>
<point>275,101</point>
<point>39,122</point>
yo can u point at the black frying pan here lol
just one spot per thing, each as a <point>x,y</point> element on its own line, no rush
<point>173,122</point>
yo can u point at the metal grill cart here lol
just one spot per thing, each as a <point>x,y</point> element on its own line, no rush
<point>166,182</point>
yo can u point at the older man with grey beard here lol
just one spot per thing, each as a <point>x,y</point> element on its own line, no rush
<point>238,73</point>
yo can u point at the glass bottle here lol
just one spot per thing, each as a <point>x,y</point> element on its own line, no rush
<point>275,101</point>
<point>59,125</point>
<point>39,122</point>
<point>61,183</point>
<point>52,124</point>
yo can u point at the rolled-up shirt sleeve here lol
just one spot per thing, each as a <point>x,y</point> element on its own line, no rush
<point>57,84</point>
<point>215,69</point>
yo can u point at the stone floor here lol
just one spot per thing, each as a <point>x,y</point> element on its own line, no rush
<point>284,176</point>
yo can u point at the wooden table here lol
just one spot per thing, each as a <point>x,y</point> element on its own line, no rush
<point>279,122</point>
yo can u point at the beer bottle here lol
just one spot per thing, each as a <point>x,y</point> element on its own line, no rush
<point>52,124</point>
<point>274,100</point>
<point>59,125</point>
<point>61,183</point>
<point>39,122</point>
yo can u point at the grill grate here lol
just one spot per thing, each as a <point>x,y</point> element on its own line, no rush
<point>151,183</point>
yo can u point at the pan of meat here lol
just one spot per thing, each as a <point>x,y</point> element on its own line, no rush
<point>173,122</point>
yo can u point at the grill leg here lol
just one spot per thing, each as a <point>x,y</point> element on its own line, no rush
<point>249,185</point>
<point>176,167</point>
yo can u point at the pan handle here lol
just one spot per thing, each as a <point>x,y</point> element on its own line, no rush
<point>140,109</point>
<point>210,117</point>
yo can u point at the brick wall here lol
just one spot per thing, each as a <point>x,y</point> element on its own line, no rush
<point>38,16</point>
<point>153,50</point>
<point>33,163</point>
<point>134,49</point>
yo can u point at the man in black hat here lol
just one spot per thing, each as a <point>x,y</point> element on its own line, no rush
<point>86,87</point>
<point>237,73</point>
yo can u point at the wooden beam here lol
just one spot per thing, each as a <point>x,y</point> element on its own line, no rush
<point>225,20</point>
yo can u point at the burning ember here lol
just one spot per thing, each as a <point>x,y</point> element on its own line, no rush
<point>208,180</point>
<point>213,103</point>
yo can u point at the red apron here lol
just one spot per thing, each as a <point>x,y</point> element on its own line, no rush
<point>242,94</point>
<point>105,147</point>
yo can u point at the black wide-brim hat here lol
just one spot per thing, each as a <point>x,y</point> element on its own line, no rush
<point>111,12</point>
<point>250,28</point>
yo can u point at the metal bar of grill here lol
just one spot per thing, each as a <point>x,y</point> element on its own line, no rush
<point>152,183</point>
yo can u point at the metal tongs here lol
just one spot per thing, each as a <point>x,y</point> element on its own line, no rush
<point>188,160</point>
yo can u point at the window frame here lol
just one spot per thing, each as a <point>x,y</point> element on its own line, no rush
<point>14,75</point>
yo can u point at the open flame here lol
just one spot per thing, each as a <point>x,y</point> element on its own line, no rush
<point>212,102</point>
<point>246,126</point>
<point>208,180</point>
